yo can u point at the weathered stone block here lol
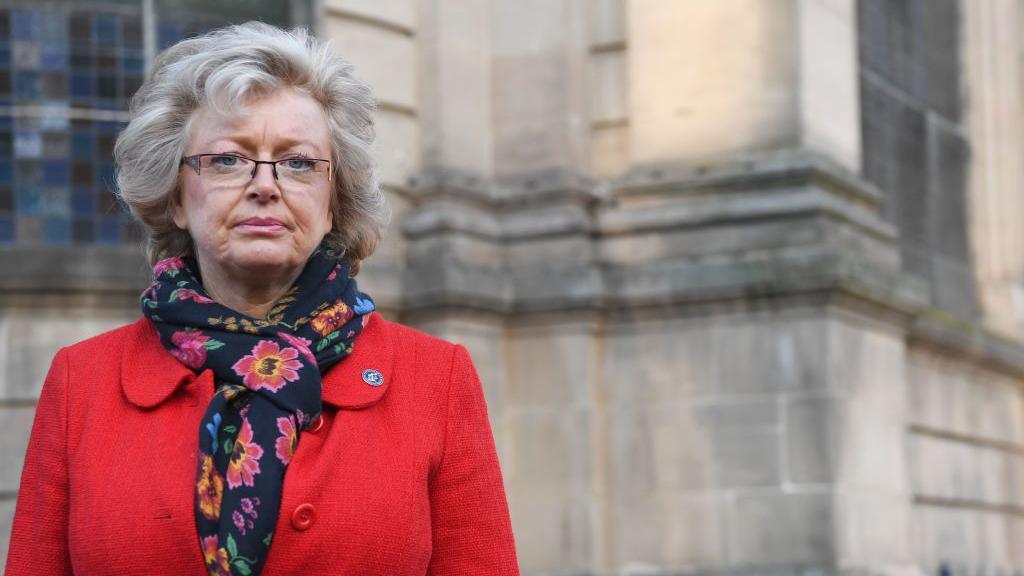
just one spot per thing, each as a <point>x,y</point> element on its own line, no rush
<point>29,340</point>
<point>6,520</point>
<point>608,81</point>
<point>384,58</point>
<point>811,448</point>
<point>775,528</point>
<point>607,21</point>
<point>552,530</point>
<point>399,12</point>
<point>701,358</point>
<point>657,449</point>
<point>549,447</point>
<point>552,366</point>
<point>873,528</point>
<point>396,148</point>
<point>15,427</point>
<point>670,531</point>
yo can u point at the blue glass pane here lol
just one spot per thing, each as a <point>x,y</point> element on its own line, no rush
<point>111,103</point>
<point>55,173</point>
<point>82,86</point>
<point>170,32</point>
<point>6,172</point>
<point>105,176</point>
<point>6,229</point>
<point>5,55</point>
<point>54,123</point>
<point>6,122</point>
<point>25,24</point>
<point>108,231</point>
<point>28,144</point>
<point>82,145</point>
<point>109,127</point>
<point>27,200</point>
<point>133,65</point>
<point>106,29</point>
<point>83,201</point>
<point>57,230</point>
<point>83,231</point>
<point>54,28</point>
<point>27,84</point>
<point>54,57</point>
<point>54,202</point>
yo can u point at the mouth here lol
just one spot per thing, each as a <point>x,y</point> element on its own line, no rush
<point>267,226</point>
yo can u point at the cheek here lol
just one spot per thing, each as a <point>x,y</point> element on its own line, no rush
<point>204,215</point>
<point>320,210</point>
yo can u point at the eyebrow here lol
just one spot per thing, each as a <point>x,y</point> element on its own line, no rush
<point>285,143</point>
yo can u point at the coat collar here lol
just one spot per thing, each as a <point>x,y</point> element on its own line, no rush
<point>150,375</point>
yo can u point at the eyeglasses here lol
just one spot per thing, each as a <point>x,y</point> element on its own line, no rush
<point>235,170</point>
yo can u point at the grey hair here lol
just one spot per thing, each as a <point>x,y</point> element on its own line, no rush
<point>221,70</point>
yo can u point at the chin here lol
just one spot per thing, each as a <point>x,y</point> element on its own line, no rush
<point>264,255</point>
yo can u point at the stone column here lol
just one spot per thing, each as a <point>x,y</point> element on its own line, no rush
<point>715,79</point>
<point>995,119</point>
<point>756,386</point>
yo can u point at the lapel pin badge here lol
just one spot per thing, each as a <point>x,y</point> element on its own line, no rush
<point>373,377</point>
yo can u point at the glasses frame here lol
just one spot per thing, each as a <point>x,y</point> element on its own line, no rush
<point>193,162</point>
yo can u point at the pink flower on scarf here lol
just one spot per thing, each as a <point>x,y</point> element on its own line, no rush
<point>189,294</point>
<point>269,366</point>
<point>287,440</point>
<point>151,291</point>
<point>189,347</point>
<point>169,265</point>
<point>244,462</point>
<point>302,344</point>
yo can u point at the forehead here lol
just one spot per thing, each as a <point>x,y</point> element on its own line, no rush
<point>282,119</point>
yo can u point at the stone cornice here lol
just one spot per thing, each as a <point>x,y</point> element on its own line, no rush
<point>968,340</point>
<point>74,269</point>
<point>789,190</point>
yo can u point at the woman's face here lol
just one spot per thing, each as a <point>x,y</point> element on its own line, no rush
<point>259,228</point>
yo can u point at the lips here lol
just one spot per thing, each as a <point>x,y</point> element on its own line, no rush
<point>260,225</point>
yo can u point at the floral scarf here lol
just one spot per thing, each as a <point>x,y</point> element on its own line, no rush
<point>268,389</point>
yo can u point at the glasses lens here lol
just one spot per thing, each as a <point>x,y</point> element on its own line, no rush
<point>296,172</point>
<point>225,169</point>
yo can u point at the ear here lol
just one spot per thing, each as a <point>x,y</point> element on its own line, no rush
<point>178,210</point>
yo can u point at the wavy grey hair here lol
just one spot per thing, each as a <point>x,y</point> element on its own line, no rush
<point>221,71</point>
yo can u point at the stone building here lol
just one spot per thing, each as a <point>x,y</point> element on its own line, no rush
<point>744,279</point>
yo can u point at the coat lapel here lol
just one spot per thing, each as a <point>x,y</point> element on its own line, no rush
<point>150,374</point>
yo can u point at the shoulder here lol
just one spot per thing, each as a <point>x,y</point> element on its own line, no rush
<point>422,353</point>
<point>403,335</point>
<point>112,341</point>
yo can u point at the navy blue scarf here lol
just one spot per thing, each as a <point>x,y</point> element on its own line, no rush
<point>268,389</point>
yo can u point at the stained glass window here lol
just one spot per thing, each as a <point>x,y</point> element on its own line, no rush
<point>70,68</point>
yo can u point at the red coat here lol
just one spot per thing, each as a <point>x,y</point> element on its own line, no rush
<point>399,479</point>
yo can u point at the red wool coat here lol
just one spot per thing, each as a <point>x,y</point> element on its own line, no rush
<point>400,478</point>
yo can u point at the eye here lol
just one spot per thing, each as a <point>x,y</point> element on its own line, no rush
<point>299,164</point>
<point>225,161</point>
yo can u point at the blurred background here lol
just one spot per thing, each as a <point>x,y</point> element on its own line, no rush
<point>744,279</point>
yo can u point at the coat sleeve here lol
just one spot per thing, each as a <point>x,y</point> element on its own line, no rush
<point>39,535</point>
<point>472,533</point>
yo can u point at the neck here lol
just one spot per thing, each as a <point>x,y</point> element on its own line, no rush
<point>250,293</point>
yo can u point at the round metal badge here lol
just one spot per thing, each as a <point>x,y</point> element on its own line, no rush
<point>373,377</point>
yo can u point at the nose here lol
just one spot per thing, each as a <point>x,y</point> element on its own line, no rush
<point>263,186</point>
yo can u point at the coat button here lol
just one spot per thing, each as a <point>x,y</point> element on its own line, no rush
<point>316,424</point>
<point>303,516</point>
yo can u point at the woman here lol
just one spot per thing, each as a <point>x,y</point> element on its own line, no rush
<point>261,418</point>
